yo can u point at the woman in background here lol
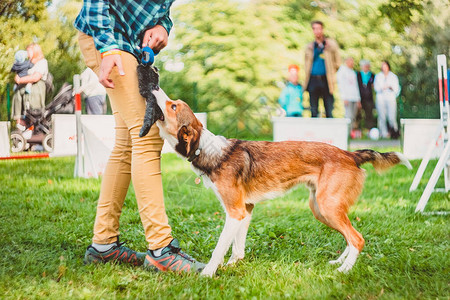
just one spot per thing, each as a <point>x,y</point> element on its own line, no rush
<point>387,88</point>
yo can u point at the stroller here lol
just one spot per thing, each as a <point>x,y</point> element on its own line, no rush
<point>35,129</point>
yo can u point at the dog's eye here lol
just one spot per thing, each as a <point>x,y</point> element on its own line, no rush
<point>174,107</point>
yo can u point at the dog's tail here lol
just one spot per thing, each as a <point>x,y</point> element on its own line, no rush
<point>380,161</point>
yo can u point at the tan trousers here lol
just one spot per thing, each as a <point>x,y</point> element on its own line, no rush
<point>132,158</point>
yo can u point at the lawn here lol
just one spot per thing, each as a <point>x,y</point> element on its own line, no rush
<point>47,217</point>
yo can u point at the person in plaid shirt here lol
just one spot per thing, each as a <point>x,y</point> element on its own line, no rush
<point>111,34</point>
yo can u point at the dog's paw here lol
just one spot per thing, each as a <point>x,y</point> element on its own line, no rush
<point>345,268</point>
<point>208,271</point>
<point>335,262</point>
<point>233,259</point>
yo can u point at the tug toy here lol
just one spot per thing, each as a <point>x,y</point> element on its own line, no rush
<point>148,79</point>
<point>148,56</point>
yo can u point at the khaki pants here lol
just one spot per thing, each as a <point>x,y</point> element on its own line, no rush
<point>132,158</point>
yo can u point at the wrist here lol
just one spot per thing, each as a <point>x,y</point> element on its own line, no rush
<point>110,52</point>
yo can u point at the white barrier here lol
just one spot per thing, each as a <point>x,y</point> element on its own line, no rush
<point>4,139</point>
<point>330,131</point>
<point>98,142</point>
<point>418,134</point>
<point>65,133</point>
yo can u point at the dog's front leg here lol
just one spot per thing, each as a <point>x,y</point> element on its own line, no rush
<point>239,241</point>
<point>226,237</point>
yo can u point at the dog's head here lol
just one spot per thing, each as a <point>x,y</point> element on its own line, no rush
<point>178,126</point>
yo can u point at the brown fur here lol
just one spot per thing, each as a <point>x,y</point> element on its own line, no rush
<point>246,170</point>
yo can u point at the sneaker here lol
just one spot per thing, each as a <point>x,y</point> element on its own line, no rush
<point>118,254</point>
<point>172,259</point>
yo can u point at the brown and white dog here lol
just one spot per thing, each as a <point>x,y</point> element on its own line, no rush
<point>242,173</point>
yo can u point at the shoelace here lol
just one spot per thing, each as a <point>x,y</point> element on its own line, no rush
<point>119,244</point>
<point>181,253</point>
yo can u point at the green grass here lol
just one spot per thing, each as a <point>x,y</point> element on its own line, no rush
<point>46,219</point>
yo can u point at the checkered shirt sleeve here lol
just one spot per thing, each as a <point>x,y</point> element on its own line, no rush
<point>120,24</point>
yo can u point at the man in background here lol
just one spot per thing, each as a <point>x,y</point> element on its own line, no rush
<point>322,60</point>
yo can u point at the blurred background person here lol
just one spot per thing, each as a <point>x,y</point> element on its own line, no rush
<point>20,67</point>
<point>37,75</point>
<point>349,91</point>
<point>387,88</point>
<point>365,83</point>
<point>94,92</point>
<point>291,98</point>
<point>322,60</point>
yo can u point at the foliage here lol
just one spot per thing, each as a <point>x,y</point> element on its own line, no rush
<point>233,51</point>
<point>24,9</point>
<point>231,62</point>
<point>47,218</point>
<point>429,36</point>
<point>401,12</point>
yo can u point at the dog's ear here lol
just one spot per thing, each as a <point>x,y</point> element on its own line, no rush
<point>188,140</point>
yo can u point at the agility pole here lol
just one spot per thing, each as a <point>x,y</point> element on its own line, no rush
<point>443,131</point>
<point>78,171</point>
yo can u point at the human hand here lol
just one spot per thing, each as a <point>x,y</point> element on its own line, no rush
<point>106,66</point>
<point>17,79</point>
<point>346,102</point>
<point>156,38</point>
<point>359,105</point>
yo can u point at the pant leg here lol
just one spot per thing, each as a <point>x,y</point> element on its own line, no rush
<point>314,94</point>
<point>17,106</point>
<point>392,113</point>
<point>355,114</point>
<point>87,103</point>
<point>133,157</point>
<point>37,96</point>
<point>382,111</point>
<point>114,187</point>
<point>328,100</point>
<point>351,109</point>
<point>368,106</point>
<point>94,104</point>
<point>348,110</point>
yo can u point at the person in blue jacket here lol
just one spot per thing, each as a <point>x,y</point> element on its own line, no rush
<point>291,98</point>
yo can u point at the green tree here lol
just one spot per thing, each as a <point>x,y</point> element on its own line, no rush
<point>24,9</point>
<point>426,26</point>
<point>401,12</point>
<point>233,51</point>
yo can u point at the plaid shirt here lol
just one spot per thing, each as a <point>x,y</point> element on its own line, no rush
<point>120,24</point>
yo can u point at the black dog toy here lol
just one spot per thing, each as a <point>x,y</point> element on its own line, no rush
<point>148,79</point>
